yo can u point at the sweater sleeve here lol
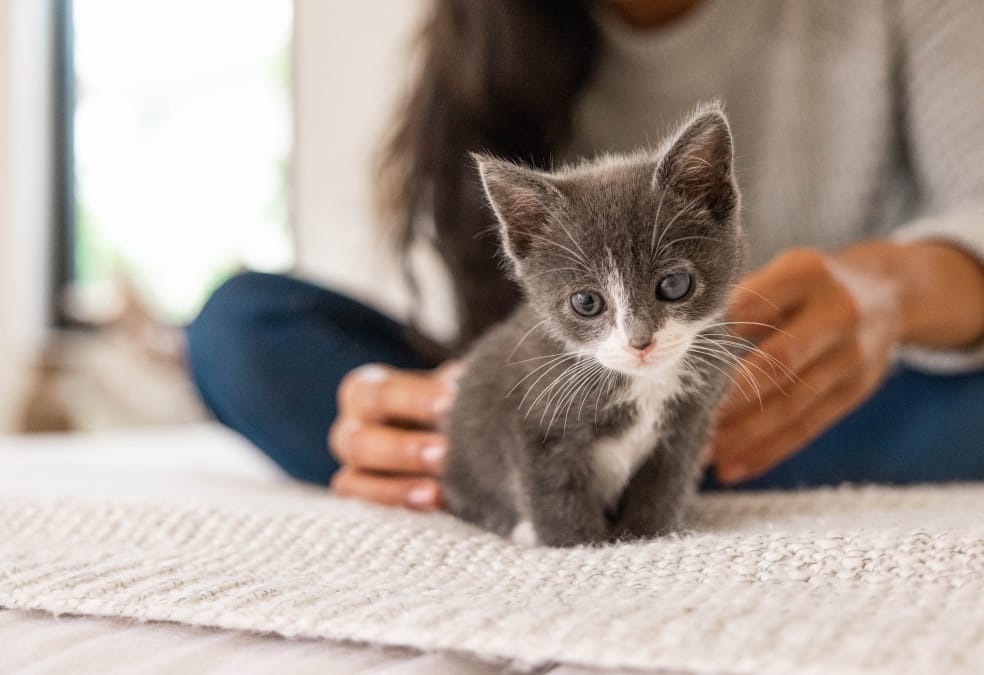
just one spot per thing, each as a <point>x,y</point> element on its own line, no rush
<point>942,101</point>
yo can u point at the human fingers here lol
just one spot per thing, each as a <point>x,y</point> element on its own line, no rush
<point>779,362</point>
<point>796,434</point>
<point>378,447</point>
<point>381,393</point>
<point>763,297</point>
<point>416,492</point>
<point>743,434</point>
<point>450,371</point>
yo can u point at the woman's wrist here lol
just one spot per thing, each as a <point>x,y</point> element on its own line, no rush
<point>939,289</point>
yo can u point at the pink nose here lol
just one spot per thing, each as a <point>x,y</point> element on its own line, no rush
<point>639,347</point>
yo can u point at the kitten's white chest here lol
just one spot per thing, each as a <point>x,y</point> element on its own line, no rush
<point>616,459</point>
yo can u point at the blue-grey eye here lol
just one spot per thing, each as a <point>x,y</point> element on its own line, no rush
<point>674,287</point>
<point>587,304</point>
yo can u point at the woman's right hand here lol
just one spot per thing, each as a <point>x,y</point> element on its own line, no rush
<point>385,436</point>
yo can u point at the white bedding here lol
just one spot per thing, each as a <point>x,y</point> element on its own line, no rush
<point>190,527</point>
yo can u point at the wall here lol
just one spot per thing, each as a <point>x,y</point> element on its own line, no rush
<point>351,68</point>
<point>5,156</point>
<point>25,187</point>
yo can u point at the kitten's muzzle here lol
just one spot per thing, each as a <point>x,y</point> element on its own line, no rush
<point>640,348</point>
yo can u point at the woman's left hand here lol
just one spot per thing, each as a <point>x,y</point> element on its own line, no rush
<point>833,321</point>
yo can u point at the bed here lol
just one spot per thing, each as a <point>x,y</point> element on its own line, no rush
<point>169,550</point>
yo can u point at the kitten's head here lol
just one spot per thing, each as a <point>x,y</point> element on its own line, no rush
<point>627,257</point>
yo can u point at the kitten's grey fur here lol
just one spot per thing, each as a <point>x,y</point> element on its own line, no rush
<point>561,434</point>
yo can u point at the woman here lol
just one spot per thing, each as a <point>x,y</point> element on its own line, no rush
<point>860,153</point>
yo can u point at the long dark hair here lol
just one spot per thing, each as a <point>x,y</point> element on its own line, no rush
<point>497,76</point>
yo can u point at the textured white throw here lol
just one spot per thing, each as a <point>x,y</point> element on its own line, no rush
<point>845,581</point>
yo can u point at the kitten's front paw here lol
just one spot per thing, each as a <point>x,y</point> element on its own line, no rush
<point>566,538</point>
<point>640,530</point>
<point>524,534</point>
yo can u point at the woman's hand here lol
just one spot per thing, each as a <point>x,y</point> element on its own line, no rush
<point>836,320</point>
<point>385,436</point>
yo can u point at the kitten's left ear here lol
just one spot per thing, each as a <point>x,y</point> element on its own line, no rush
<point>699,164</point>
<point>522,199</point>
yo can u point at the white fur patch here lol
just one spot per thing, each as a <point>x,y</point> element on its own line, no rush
<point>620,297</point>
<point>616,459</point>
<point>653,385</point>
<point>670,343</point>
<point>524,534</point>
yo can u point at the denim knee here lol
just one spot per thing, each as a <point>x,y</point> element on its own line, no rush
<point>221,339</point>
<point>267,354</point>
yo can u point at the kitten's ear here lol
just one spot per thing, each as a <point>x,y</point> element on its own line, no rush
<point>522,200</point>
<point>699,164</point>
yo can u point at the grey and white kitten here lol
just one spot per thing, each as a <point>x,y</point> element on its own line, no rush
<point>580,417</point>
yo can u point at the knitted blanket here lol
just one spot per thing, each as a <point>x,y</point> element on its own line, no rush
<point>869,580</point>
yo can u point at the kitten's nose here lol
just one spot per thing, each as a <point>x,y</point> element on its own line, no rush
<point>640,346</point>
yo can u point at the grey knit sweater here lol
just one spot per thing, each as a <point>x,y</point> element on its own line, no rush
<point>852,119</point>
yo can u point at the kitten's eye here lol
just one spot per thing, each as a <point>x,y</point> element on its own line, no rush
<point>587,303</point>
<point>674,287</point>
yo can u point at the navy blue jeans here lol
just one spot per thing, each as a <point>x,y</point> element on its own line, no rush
<point>267,353</point>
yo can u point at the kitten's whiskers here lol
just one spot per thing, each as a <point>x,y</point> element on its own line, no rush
<point>749,347</point>
<point>652,240</point>
<point>685,210</point>
<point>586,381</point>
<point>756,293</point>
<point>576,378</point>
<point>725,324</point>
<point>553,362</point>
<point>522,339</point>
<point>680,239</point>
<point>701,355</point>
<point>573,256</point>
<point>743,366</point>
<point>584,255</point>
<point>552,270</point>
<point>554,388</point>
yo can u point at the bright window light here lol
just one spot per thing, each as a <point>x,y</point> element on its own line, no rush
<point>182,145</point>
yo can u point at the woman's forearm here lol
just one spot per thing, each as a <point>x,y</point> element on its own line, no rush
<point>940,289</point>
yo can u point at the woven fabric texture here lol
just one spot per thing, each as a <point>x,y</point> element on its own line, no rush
<point>869,580</point>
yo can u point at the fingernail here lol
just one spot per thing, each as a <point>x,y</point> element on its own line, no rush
<point>451,374</point>
<point>422,496</point>
<point>732,473</point>
<point>433,456</point>
<point>443,404</point>
<point>371,373</point>
<point>349,427</point>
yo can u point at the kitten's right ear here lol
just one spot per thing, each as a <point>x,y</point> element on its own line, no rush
<point>522,200</point>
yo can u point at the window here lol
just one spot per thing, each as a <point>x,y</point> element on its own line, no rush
<point>178,136</point>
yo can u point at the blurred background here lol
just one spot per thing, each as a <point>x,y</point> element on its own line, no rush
<point>151,148</point>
